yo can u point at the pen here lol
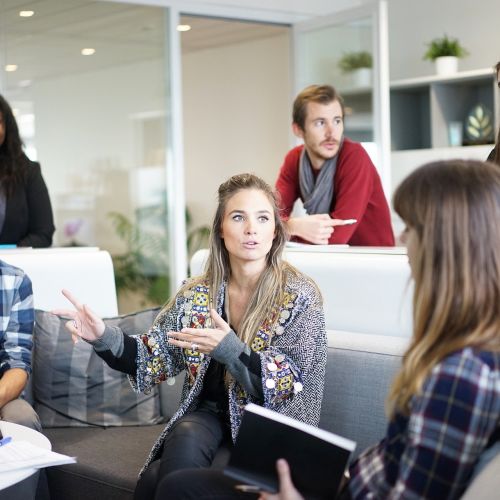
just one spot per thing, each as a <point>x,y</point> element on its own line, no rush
<point>5,440</point>
<point>349,221</point>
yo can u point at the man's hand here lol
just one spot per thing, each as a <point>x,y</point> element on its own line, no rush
<point>287,489</point>
<point>315,229</point>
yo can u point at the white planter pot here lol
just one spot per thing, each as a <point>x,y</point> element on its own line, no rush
<point>446,65</point>
<point>362,77</point>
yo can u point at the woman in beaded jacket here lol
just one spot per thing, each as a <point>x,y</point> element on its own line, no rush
<point>250,329</point>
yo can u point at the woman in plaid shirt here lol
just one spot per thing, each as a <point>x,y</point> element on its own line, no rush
<point>444,405</point>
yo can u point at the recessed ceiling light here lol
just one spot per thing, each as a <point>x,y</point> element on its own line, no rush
<point>25,83</point>
<point>26,13</point>
<point>183,27</point>
<point>10,67</point>
<point>88,51</point>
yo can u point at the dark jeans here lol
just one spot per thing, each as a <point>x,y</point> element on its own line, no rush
<point>192,443</point>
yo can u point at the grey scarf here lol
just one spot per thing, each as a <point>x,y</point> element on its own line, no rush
<point>318,195</point>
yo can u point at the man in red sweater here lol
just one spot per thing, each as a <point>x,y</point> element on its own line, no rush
<point>333,176</point>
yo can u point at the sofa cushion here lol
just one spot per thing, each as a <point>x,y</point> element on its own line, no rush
<point>108,461</point>
<point>359,372</point>
<point>74,387</point>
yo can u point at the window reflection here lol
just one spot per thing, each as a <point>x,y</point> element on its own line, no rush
<point>96,123</point>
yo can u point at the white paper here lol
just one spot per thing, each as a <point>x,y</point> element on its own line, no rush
<point>22,455</point>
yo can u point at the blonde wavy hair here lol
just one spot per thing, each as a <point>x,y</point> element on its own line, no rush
<point>454,207</point>
<point>271,284</point>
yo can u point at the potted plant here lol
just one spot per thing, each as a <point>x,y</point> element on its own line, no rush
<point>445,52</point>
<point>360,65</point>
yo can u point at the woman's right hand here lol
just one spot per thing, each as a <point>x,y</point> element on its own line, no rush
<point>84,323</point>
<point>287,489</point>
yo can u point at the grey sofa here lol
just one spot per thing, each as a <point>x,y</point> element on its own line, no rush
<point>359,371</point>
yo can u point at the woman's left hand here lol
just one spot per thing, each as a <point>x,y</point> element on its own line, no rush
<point>203,340</point>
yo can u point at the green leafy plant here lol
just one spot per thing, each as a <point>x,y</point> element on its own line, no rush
<point>440,47</point>
<point>351,61</point>
<point>143,267</point>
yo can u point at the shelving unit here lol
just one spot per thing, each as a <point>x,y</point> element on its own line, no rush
<point>423,108</point>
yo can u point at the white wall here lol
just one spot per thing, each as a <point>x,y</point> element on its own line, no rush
<point>413,24</point>
<point>237,116</point>
<point>89,140</point>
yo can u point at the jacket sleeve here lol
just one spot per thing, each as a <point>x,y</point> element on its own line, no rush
<point>41,221</point>
<point>293,367</point>
<point>353,190</point>
<point>156,359</point>
<point>287,183</point>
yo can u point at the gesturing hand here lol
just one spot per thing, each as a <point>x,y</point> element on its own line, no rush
<point>84,322</point>
<point>203,340</point>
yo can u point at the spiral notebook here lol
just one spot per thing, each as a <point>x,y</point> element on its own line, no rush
<point>317,458</point>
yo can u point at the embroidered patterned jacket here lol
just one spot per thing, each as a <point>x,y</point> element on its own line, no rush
<point>291,345</point>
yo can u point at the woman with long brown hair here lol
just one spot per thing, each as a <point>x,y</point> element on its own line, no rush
<point>444,404</point>
<point>250,329</point>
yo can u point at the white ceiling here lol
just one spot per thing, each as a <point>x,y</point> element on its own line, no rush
<point>286,11</point>
<point>49,43</point>
<point>126,31</point>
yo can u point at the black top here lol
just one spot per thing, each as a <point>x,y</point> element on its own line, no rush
<point>28,217</point>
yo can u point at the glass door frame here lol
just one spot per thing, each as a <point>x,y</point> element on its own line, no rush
<point>174,175</point>
<point>381,92</point>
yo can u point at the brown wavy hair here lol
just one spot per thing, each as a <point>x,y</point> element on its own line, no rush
<point>454,207</point>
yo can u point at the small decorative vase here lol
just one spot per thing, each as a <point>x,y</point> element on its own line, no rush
<point>446,65</point>
<point>362,77</point>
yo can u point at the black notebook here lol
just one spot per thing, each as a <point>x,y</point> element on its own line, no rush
<point>317,458</point>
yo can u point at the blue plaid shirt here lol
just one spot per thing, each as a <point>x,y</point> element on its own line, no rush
<point>16,329</point>
<point>432,452</point>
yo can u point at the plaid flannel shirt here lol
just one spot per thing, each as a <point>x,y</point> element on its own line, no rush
<point>17,317</point>
<point>432,452</point>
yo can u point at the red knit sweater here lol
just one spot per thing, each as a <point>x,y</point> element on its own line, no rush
<point>358,195</point>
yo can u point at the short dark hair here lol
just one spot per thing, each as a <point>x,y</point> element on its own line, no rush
<point>323,94</point>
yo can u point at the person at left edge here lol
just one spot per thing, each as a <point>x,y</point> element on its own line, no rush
<point>250,329</point>
<point>16,342</point>
<point>26,218</point>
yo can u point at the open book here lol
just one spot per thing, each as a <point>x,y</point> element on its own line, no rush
<point>22,455</point>
<point>317,458</point>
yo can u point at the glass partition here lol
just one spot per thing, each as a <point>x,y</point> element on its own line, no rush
<point>89,89</point>
<point>342,55</point>
<point>349,50</point>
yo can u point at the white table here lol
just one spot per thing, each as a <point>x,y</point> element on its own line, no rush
<point>21,433</point>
